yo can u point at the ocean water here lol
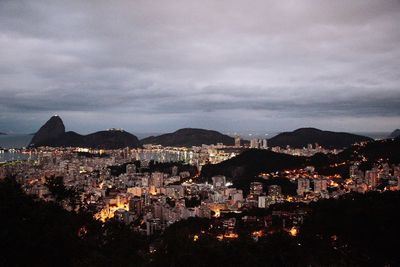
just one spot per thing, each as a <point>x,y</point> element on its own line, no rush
<point>15,140</point>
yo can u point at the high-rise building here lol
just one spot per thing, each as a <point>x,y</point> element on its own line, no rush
<point>259,143</point>
<point>254,143</point>
<point>320,185</point>
<point>157,179</point>
<point>353,171</point>
<point>130,168</point>
<point>262,202</point>
<point>237,140</point>
<point>274,191</point>
<point>371,178</point>
<point>219,181</point>
<point>264,144</point>
<point>303,186</point>
<point>136,205</point>
<point>256,188</point>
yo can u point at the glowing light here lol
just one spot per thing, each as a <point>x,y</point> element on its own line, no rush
<point>220,237</point>
<point>217,213</point>
<point>259,233</point>
<point>293,231</point>
<point>195,238</point>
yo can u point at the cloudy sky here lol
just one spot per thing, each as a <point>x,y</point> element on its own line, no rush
<point>156,66</point>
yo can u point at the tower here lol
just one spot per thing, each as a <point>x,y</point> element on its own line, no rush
<point>237,140</point>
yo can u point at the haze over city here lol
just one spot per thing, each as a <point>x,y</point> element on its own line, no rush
<point>150,66</point>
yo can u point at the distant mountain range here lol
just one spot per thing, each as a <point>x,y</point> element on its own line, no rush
<point>53,134</point>
<point>304,136</point>
<point>395,134</point>
<point>188,137</point>
<point>2,133</point>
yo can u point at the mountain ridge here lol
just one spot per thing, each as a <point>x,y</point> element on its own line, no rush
<point>53,134</point>
<point>187,137</point>
<point>395,134</point>
<point>303,136</point>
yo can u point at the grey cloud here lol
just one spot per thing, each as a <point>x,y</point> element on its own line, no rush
<point>189,63</point>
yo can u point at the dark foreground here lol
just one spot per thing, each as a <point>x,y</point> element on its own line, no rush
<point>356,230</point>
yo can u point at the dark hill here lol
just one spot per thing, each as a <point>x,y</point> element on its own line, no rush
<point>54,128</point>
<point>373,151</point>
<point>188,137</point>
<point>395,134</point>
<point>2,133</point>
<point>304,136</point>
<point>52,135</point>
<point>111,139</point>
<point>244,168</point>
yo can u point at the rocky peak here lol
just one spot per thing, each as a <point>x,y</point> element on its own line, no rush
<point>52,129</point>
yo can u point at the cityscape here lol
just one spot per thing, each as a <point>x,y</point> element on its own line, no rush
<point>150,188</point>
<point>199,133</point>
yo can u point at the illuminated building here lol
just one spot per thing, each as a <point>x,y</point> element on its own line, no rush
<point>320,185</point>
<point>303,186</point>
<point>130,168</point>
<point>262,202</point>
<point>256,188</point>
<point>371,178</point>
<point>264,144</point>
<point>237,140</point>
<point>157,179</point>
<point>136,205</point>
<point>274,191</point>
<point>219,181</point>
<point>254,143</point>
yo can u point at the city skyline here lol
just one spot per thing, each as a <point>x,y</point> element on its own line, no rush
<point>226,66</point>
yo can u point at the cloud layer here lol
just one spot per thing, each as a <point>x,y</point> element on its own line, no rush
<point>226,65</point>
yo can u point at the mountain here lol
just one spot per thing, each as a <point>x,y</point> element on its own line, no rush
<point>251,162</point>
<point>304,136</point>
<point>2,133</point>
<point>374,151</point>
<point>188,137</point>
<point>395,134</point>
<point>54,128</point>
<point>53,134</point>
<point>244,168</point>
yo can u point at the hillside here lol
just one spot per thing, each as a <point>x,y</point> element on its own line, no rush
<point>304,136</point>
<point>245,168</point>
<point>395,134</point>
<point>53,134</point>
<point>188,137</point>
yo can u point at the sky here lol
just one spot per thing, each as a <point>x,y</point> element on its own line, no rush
<point>157,66</point>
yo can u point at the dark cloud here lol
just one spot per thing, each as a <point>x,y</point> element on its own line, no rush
<point>228,65</point>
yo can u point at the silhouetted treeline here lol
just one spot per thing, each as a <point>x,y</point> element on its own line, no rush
<point>38,233</point>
